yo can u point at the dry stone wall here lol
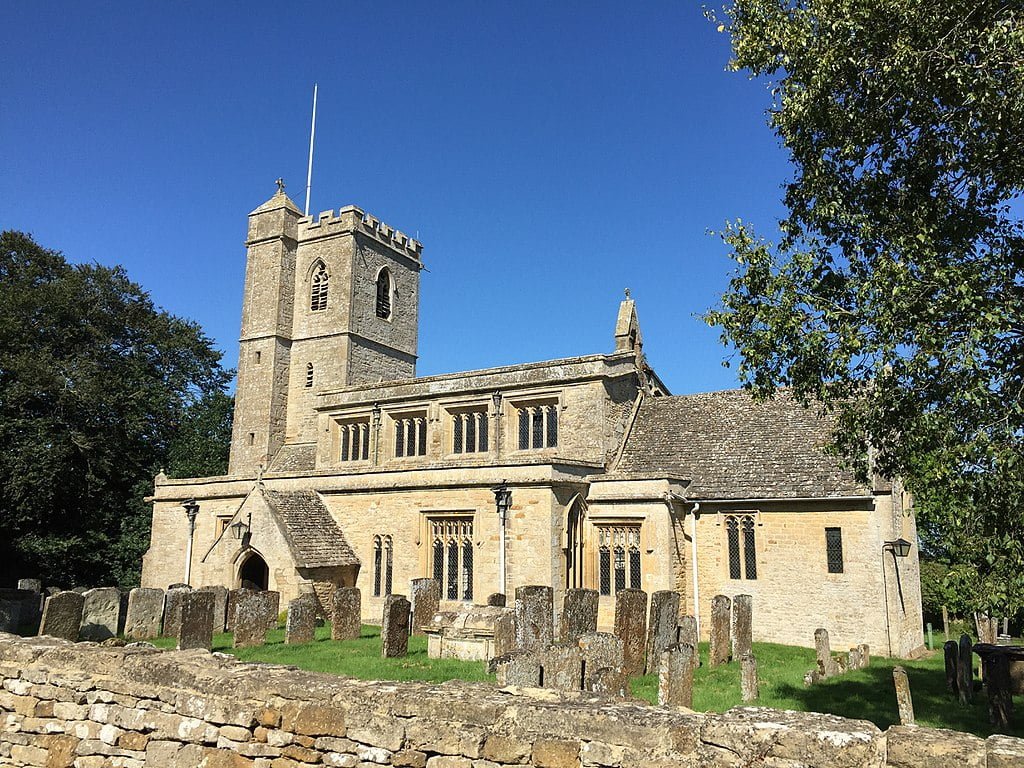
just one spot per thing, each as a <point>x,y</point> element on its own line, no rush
<point>83,705</point>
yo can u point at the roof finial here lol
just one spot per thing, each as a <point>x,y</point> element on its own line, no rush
<point>280,186</point>
<point>627,293</point>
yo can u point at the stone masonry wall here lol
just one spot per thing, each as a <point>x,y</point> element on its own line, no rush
<point>64,704</point>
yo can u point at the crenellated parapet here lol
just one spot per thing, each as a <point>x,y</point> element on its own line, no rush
<point>354,219</point>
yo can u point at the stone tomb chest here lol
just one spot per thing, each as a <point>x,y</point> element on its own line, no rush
<point>473,633</point>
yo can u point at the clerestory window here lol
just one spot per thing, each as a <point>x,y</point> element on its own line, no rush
<point>411,435</point>
<point>538,425</point>
<point>469,431</point>
<point>318,288</point>
<point>354,440</point>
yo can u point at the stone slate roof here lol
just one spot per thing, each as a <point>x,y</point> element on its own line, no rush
<point>300,457</point>
<point>732,447</point>
<point>316,540</point>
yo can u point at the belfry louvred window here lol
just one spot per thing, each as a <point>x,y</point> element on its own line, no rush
<point>452,555</point>
<point>384,294</point>
<point>318,288</point>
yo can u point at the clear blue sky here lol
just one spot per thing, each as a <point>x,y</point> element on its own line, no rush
<point>548,155</point>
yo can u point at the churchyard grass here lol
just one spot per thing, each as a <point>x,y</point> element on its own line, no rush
<point>865,694</point>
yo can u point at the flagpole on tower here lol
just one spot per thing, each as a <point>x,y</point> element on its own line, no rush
<point>312,134</point>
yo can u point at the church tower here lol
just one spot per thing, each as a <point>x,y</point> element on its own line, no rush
<point>329,303</point>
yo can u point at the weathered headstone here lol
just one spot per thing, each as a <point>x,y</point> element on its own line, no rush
<point>602,663</point>
<point>535,618</point>
<point>965,670</point>
<point>394,627</point>
<point>10,611</point>
<point>721,610</point>
<point>425,597</point>
<point>100,612</point>
<point>686,634</point>
<point>675,677</point>
<point>519,668</point>
<point>20,611</point>
<point>504,634</point>
<point>496,599</point>
<point>904,703</point>
<point>300,625</point>
<point>749,689</point>
<point>271,608</point>
<point>823,653</point>
<point>662,627</point>
<point>742,625</point>
<point>631,628</point>
<point>30,585</point>
<point>196,627</point>
<point>579,615</point>
<point>220,606</point>
<point>346,616</point>
<point>145,613</point>
<point>173,598</point>
<point>864,654</point>
<point>251,609</point>
<point>853,658</point>
<point>951,654</point>
<point>62,615</point>
<point>1000,697</point>
<point>562,668</point>
<point>229,615</point>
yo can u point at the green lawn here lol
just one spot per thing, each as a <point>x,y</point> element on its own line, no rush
<point>865,694</point>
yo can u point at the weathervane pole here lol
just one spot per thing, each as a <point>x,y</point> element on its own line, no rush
<point>312,133</point>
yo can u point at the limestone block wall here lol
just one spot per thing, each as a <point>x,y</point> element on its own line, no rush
<point>65,704</point>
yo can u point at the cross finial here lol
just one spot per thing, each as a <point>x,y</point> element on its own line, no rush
<point>280,185</point>
<point>627,293</point>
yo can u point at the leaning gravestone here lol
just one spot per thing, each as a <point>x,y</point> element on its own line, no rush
<point>742,626</point>
<point>535,619</point>
<point>631,628</point>
<point>504,634</point>
<point>173,598</point>
<point>196,628</point>
<point>220,606</point>
<point>394,627</point>
<point>145,613</point>
<point>675,677</point>
<point>662,625</point>
<point>602,663</point>
<point>301,623</point>
<point>346,619</point>
<point>721,610</point>
<point>100,612</point>
<point>62,616</point>
<point>579,615</point>
<point>426,598</point>
<point>686,634</point>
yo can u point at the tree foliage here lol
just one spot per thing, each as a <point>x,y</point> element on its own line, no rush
<point>894,296</point>
<point>95,382</point>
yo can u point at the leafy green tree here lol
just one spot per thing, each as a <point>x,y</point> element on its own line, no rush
<point>894,295</point>
<point>94,383</point>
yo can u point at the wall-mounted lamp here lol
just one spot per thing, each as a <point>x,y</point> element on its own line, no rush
<point>899,547</point>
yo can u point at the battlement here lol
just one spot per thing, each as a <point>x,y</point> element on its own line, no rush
<point>352,219</point>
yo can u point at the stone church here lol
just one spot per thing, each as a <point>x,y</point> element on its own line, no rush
<point>348,469</point>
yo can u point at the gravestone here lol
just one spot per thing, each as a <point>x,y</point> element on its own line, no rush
<point>220,606</point>
<point>1000,697</point>
<point>346,617</point>
<point>631,628</point>
<point>251,610</point>
<point>100,612</point>
<point>30,585</point>
<point>20,611</point>
<point>229,613</point>
<point>749,689</point>
<point>394,627</point>
<point>562,668</point>
<point>496,599</point>
<point>579,615</point>
<point>965,670</point>
<point>519,668</point>
<point>196,627</point>
<point>535,618</point>
<point>271,608</point>
<point>62,616</point>
<point>742,625</point>
<point>675,677</point>
<point>662,627</point>
<point>10,610</point>
<point>864,654</point>
<point>951,654</point>
<point>145,614</point>
<point>425,597</point>
<point>721,611</point>
<point>686,634</point>
<point>602,663</point>
<point>904,703</point>
<point>173,598</point>
<point>823,653</point>
<point>300,625</point>
<point>504,634</point>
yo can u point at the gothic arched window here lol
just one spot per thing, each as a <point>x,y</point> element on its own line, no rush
<point>318,289</point>
<point>384,294</point>
<point>309,374</point>
<point>382,565</point>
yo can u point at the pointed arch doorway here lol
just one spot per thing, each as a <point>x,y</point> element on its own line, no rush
<point>254,573</point>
